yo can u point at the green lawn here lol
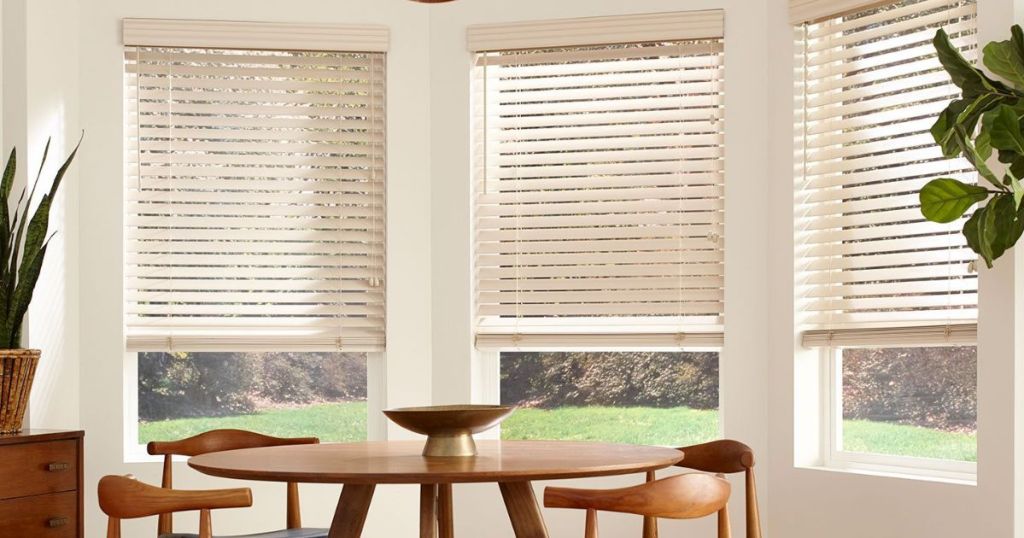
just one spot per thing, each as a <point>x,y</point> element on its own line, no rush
<point>676,426</point>
<point>898,440</point>
<point>333,422</point>
<point>680,426</point>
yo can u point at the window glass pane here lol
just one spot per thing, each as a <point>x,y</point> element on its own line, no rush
<point>919,401</point>
<point>280,394</point>
<point>621,397</point>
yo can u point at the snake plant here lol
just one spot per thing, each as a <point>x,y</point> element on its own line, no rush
<point>24,238</point>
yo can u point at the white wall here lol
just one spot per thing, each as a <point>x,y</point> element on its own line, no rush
<point>430,357</point>
<point>41,101</point>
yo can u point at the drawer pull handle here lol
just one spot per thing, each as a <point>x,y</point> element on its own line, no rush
<point>57,522</point>
<point>57,467</point>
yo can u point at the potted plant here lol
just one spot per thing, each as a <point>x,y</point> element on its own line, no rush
<point>983,126</point>
<point>23,242</point>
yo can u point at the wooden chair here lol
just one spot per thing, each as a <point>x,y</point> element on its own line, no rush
<point>687,496</point>
<point>123,497</point>
<point>221,440</point>
<point>724,456</point>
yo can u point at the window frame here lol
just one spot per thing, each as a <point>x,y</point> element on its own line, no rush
<point>835,458</point>
<point>135,452</point>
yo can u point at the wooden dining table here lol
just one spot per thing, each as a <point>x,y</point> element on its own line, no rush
<point>360,467</point>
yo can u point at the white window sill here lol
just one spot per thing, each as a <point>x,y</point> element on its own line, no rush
<point>899,472</point>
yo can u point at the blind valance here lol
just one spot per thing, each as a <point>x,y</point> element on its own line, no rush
<point>255,35</point>
<point>599,180</point>
<point>675,26</point>
<point>806,11</point>
<point>254,199</point>
<point>868,261</point>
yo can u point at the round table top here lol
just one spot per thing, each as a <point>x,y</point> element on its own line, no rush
<point>400,462</point>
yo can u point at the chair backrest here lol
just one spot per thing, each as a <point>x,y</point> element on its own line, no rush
<point>219,441</point>
<point>685,496</point>
<point>725,456</point>
<point>123,497</point>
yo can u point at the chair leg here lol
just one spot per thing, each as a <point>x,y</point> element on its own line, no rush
<point>294,514</point>
<point>650,523</point>
<point>650,527</point>
<point>753,515</point>
<point>591,530</point>
<point>113,527</point>
<point>205,524</point>
<point>165,522</point>
<point>724,530</point>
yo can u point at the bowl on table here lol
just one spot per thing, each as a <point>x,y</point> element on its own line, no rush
<point>450,428</point>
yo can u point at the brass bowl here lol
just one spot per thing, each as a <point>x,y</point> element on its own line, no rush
<point>450,428</point>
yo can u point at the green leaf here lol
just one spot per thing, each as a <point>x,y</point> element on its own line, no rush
<point>23,292</point>
<point>987,232</point>
<point>1006,58</point>
<point>946,199</point>
<point>965,114</point>
<point>5,194</point>
<point>971,154</point>
<point>1000,225</point>
<point>973,236</point>
<point>942,130</point>
<point>35,246</point>
<point>1003,126</point>
<point>994,228</point>
<point>983,144</point>
<point>1016,189</point>
<point>39,224</point>
<point>971,81</point>
<point>8,180</point>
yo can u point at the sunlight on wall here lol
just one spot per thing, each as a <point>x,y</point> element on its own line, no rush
<point>48,317</point>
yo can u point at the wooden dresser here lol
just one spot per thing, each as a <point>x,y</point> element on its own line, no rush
<point>41,484</point>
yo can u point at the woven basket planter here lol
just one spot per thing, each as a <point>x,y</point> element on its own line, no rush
<point>17,369</point>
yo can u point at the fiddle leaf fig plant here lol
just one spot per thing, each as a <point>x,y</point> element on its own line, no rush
<point>23,241</point>
<point>985,127</point>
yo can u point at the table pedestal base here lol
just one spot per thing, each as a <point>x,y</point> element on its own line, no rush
<point>350,516</point>
<point>436,517</point>
<point>523,510</point>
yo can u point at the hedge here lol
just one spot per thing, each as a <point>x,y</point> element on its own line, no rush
<point>179,385</point>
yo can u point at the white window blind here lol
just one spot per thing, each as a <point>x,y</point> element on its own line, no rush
<point>868,261</point>
<point>255,199</point>
<point>599,180</point>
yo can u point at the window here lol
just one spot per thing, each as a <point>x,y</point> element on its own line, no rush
<point>599,221</point>
<point>880,290</point>
<point>649,398</point>
<point>282,394</point>
<point>254,229</point>
<point>918,402</point>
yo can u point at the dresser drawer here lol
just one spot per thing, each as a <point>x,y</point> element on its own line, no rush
<point>38,468</point>
<point>42,516</point>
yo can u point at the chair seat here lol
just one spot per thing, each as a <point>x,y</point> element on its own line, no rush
<point>286,533</point>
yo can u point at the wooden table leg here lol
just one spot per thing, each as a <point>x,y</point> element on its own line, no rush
<point>428,511</point>
<point>445,515</point>
<point>523,510</point>
<point>351,512</point>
